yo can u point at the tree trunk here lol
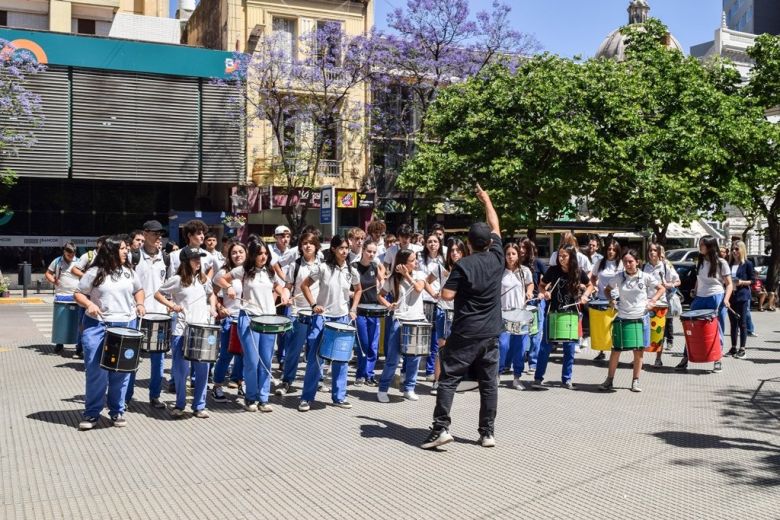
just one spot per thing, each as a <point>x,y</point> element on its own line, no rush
<point>773,273</point>
<point>532,235</point>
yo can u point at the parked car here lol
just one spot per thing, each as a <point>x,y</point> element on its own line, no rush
<point>682,255</point>
<point>687,273</point>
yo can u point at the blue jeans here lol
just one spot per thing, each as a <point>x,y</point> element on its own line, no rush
<point>749,320</point>
<point>536,340</point>
<point>181,369</point>
<point>223,361</point>
<point>258,351</point>
<point>714,302</point>
<point>283,339</point>
<point>368,346</point>
<point>512,347</point>
<point>544,357</point>
<point>98,379</point>
<point>392,355</point>
<point>314,363</point>
<point>438,317</point>
<point>296,338</point>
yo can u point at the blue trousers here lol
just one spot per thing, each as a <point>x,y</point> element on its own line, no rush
<point>283,339</point>
<point>314,363</point>
<point>749,320</point>
<point>100,380</point>
<point>368,346</point>
<point>157,360</point>
<point>544,357</point>
<point>511,349</point>
<point>224,358</point>
<point>536,340</point>
<point>258,351</point>
<point>296,338</point>
<point>430,362</point>
<point>712,302</point>
<point>392,355</point>
<point>181,369</point>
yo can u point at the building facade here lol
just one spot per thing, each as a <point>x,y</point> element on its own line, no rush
<point>752,16</point>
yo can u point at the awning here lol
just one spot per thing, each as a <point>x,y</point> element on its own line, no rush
<point>694,231</point>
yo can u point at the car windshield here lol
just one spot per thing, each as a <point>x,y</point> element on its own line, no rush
<point>676,255</point>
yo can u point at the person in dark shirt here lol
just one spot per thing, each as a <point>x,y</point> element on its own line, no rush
<point>367,326</point>
<point>475,286</point>
<point>564,286</point>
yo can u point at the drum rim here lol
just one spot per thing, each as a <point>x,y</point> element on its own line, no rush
<point>340,326</point>
<point>416,323</point>
<point>699,313</point>
<point>147,316</point>
<point>135,333</point>
<point>519,311</point>
<point>204,326</point>
<point>277,320</point>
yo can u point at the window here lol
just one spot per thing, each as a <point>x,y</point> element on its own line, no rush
<point>284,33</point>
<point>329,42</point>
<point>4,18</point>
<point>85,26</point>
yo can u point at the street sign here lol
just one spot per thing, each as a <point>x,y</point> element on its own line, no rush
<point>326,205</point>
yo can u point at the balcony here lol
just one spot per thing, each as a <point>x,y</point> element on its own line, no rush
<point>327,168</point>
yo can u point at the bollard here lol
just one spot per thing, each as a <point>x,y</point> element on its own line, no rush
<point>25,276</point>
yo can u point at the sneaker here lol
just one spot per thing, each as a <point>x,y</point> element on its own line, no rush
<point>217,395</point>
<point>600,356</point>
<point>516,384</point>
<point>682,366</point>
<point>87,423</point>
<point>635,386</point>
<point>487,441</point>
<point>658,363</point>
<point>577,349</point>
<point>201,414</point>
<point>177,413</point>
<point>156,403</point>
<point>717,367</point>
<point>58,348</point>
<point>303,406</point>
<point>265,408</point>
<point>372,382</point>
<point>568,385</point>
<point>343,404</point>
<point>430,377</point>
<point>436,438</point>
<point>732,351</point>
<point>241,392</point>
<point>411,396</point>
<point>282,389</point>
<point>250,406</point>
<point>537,385</point>
<point>606,386</point>
<point>232,384</point>
<point>360,381</point>
<point>506,370</point>
<point>435,388</point>
<point>668,345</point>
<point>78,355</point>
<point>382,397</point>
<point>741,354</point>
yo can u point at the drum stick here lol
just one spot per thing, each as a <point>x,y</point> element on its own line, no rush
<point>732,311</point>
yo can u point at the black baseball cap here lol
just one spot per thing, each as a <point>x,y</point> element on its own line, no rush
<point>479,235</point>
<point>152,225</point>
<point>188,253</point>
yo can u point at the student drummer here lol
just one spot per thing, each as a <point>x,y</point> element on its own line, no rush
<point>60,274</point>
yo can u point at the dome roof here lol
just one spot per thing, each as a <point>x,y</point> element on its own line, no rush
<point>614,45</point>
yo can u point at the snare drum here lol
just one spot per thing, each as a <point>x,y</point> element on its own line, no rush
<point>517,322</point>
<point>305,316</point>
<point>416,338</point>
<point>628,334</point>
<point>429,309</point>
<point>121,349</point>
<point>372,310</point>
<point>65,322</point>
<point>702,335</point>
<point>234,343</point>
<point>201,342</point>
<point>563,327</point>
<point>337,342</point>
<point>157,332</point>
<point>535,322</point>
<point>270,324</point>
<point>657,327</point>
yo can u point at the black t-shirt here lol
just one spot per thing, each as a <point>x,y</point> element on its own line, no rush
<point>368,276</point>
<point>476,279</point>
<point>561,295</point>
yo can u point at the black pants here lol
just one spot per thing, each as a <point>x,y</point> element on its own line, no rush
<point>739,324</point>
<point>459,357</point>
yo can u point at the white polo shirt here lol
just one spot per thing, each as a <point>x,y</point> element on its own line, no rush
<point>114,295</point>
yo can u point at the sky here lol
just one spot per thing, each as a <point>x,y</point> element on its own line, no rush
<point>571,27</point>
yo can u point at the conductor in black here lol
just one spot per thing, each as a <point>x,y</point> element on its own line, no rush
<point>475,286</point>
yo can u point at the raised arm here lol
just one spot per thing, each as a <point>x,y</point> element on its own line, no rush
<point>490,211</point>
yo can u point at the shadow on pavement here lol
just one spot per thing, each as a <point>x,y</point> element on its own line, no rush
<point>384,429</point>
<point>69,418</point>
<point>78,366</point>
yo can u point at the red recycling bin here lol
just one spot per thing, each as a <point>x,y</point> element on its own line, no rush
<point>702,335</point>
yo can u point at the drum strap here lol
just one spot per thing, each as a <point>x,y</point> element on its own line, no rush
<point>295,275</point>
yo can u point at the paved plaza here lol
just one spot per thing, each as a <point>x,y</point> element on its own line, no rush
<point>695,445</point>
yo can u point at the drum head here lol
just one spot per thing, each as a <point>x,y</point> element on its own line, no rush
<point>661,305</point>
<point>599,303</point>
<point>422,324</point>
<point>124,331</point>
<point>518,315</point>
<point>271,319</point>
<point>203,326</point>
<point>342,327</point>
<point>698,314</point>
<point>532,308</point>
<point>306,312</point>
<point>153,316</point>
<point>371,307</point>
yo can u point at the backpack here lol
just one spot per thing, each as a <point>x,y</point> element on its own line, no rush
<point>135,258</point>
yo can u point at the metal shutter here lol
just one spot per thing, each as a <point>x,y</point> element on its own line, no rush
<point>49,155</point>
<point>134,127</point>
<point>224,158</point>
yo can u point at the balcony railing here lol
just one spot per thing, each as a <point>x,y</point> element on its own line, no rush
<point>327,168</point>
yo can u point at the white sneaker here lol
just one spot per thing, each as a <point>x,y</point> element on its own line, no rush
<point>517,384</point>
<point>411,396</point>
<point>382,397</point>
<point>430,378</point>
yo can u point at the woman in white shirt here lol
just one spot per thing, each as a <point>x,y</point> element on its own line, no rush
<point>112,296</point>
<point>433,267</point>
<point>295,274</point>
<point>603,271</point>
<point>658,266</point>
<point>192,299</point>
<point>633,286</point>
<point>258,288</point>
<point>332,304</point>
<point>228,310</point>
<point>517,287</point>
<point>406,286</point>
<point>712,290</point>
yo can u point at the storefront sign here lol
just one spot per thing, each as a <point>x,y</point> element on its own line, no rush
<point>44,241</point>
<point>346,199</point>
<point>307,197</point>
<point>366,200</point>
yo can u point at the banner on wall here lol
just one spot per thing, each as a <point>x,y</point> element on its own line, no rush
<point>346,199</point>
